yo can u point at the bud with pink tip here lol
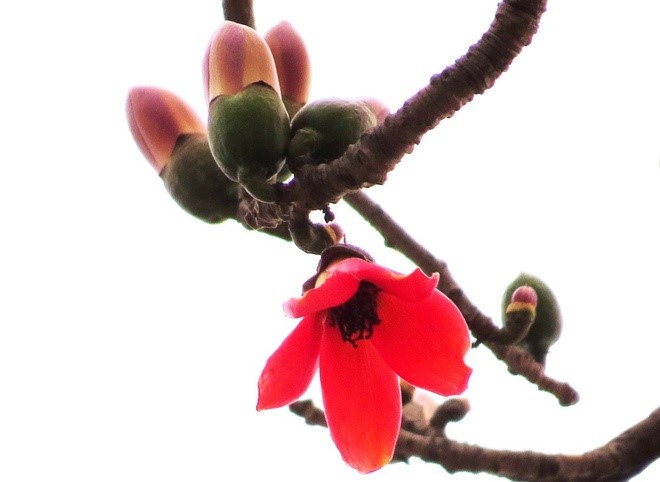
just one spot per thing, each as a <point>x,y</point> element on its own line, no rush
<point>293,65</point>
<point>524,294</point>
<point>173,139</point>
<point>157,118</point>
<point>248,124</point>
<point>530,292</point>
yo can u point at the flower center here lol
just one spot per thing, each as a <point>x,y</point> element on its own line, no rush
<point>357,317</point>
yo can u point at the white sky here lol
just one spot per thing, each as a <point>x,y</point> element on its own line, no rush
<point>132,335</point>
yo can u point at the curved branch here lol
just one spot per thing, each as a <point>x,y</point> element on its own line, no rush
<point>621,458</point>
<point>480,325</point>
<point>376,153</point>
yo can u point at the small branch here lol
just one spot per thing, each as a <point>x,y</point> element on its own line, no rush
<point>621,458</point>
<point>521,362</point>
<point>397,238</point>
<point>452,410</point>
<point>480,325</point>
<point>239,11</point>
<point>307,410</point>
<point>312,237</point>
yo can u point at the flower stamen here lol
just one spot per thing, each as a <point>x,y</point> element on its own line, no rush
<point>357,317</point>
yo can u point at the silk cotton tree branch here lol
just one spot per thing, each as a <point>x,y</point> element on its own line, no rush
<point>367,163</point>
<point>621,458</point>
<point>498,340</point>
<point>377,152</point>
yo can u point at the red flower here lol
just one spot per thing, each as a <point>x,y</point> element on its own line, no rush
<point>365,326</point>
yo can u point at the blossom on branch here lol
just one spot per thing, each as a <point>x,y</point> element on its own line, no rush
<point>364,326</point>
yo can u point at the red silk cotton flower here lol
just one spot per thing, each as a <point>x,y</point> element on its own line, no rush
<point>364,326</point>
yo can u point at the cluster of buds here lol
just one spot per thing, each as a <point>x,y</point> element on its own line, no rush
<point>260,127</point>
<point>259,122</point>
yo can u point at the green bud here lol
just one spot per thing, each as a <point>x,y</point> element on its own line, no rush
<point>546,328</point>
<point>194,181</point>
<point>248,134</point>
<point>322,130</point>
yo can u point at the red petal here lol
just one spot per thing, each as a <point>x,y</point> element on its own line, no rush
<point>338,288</point>
<point>362,401</point>
<point>424,342</point>
<point>289,371</point>
<point>413,287</point>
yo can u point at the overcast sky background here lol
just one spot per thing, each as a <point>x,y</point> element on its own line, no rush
<point>132,335</point>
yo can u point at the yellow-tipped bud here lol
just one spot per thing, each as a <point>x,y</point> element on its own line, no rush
<point>531,293</point>
<point>293,66</point>
<point>237,57</point>
<point>157,118</point>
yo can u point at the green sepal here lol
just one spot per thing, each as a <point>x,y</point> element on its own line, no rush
<point>322,130</point>
<point>193,179</point>
<point>546,328</point>
<point>249,134</point>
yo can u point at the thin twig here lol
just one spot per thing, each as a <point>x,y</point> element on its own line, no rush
<point>521,362</point>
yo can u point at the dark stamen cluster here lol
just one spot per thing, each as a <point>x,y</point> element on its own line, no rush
<point>357,317</point>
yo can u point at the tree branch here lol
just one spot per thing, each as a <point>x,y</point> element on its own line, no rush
<point>480,325</point>
<point>376,153</point>
<point>621,458</point>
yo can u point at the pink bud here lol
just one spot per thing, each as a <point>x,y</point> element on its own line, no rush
<point>235,58</point>
<point>524,294</point>
<point>291,60</point>
<point>157,118</point>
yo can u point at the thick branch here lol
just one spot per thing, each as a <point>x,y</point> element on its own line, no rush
<point>369,160</point>
<point>480,325</point>
<point>621,458</point>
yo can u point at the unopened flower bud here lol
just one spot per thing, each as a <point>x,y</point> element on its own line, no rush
<point>248,123</point>
<point>235,58</point>
<point>293,65</point>
<point>322,130</point>
<point>173,139</point>
<point>523,298</point>
<point>528,291</point>
<point>157,118</point>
